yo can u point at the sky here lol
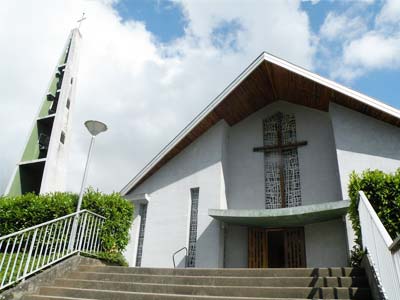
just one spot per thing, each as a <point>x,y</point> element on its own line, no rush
<point>147,67</point>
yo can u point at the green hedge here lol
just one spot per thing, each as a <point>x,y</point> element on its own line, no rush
<point>24,211</point>
<point>383,192</point>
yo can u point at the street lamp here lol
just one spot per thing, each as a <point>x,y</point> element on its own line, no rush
<point>94,127</point>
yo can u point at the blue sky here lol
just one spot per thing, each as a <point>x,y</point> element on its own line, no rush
<point>163,18</point>
<point>167,21</point>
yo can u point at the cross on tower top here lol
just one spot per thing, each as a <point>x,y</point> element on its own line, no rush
<point>83,18</point>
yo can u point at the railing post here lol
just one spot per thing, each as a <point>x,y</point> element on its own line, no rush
<point>74,231</point>
<point>83,232</point>
<point>30,252</point>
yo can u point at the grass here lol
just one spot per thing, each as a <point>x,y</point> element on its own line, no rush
<point>19,261</point>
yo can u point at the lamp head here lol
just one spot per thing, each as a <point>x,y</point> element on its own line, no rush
<point>95,127</point>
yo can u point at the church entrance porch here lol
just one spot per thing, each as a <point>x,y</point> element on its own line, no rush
<point>310,236</point>
<point>276,248</point>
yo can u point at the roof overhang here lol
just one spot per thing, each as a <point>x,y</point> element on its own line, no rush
<point>266,80</point>
<point>282,217</point>
<point>138,199</point>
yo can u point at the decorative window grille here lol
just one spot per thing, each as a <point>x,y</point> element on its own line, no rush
<point>191,259</point>
<point>142,214</point>
<point>291,171</point>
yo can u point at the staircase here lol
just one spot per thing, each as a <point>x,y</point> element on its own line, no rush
<point>110,282</point>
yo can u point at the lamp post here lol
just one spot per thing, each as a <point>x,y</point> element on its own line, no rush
<point>94,127</point>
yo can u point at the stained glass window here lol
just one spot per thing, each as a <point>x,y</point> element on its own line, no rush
<point>191,259</point>
<point>286,124</point>
<point>142,214</point>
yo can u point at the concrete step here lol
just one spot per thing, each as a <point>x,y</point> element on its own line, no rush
<point>270,272</point>
<point>115,290</point>
<point>41,297</point>
<point>225,281</point>
<point>159,297</point>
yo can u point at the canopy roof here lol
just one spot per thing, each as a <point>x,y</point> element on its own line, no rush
<point>282,217</point>
<point>266,80</point>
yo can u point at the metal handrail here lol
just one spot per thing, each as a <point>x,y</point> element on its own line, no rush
<point>30,250</point>
<point>381,250</point>
<point>176,252</point>
<point>49,222</point>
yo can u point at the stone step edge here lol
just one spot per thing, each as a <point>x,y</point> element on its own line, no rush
<point>28,297</point>
<point>314,272</point>
<point>202,286</point>
<point>220,277</point>
<point>173,295</point>
<point>54,297</point>
<point>222,269</point>
<point>199,285</point>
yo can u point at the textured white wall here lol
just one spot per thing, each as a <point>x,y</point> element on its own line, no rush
<point>168,213</point>
<point>319,174</point>
<point>325,244</point>
<point>362,143</point>
<point>131,249</point>
<point>236,244</point>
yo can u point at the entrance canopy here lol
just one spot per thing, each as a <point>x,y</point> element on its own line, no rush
<point>282,217</point>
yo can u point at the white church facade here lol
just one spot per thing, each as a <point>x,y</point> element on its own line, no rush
<point>259,178</point>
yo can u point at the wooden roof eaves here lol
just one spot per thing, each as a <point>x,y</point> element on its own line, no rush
<point>333,85</point>
<point>260,59</point>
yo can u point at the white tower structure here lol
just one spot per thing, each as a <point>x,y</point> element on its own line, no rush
<point>42,165</point>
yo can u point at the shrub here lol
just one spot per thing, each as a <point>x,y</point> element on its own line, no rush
<point>383,192</point>
<point>119,214</point>
<point>17,213</point>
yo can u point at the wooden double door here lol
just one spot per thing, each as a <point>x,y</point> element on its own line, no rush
<point>276,248</point>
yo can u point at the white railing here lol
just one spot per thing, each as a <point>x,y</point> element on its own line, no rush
<point>382,251</point>
<point>25,252</point>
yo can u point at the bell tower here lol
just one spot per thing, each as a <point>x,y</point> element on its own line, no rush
<point>41,168</point>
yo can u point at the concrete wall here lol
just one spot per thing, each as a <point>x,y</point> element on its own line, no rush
<point>325,244</point>
<point>363,143</point>
<point>236,244</point>
<point>168,213</point>
<point>319,174</point>
<point>131,250</point>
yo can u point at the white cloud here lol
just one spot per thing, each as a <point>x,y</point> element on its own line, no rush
<point>373,51</point>
<point>145,91</point>
<point>338,27</point>
<point>360,40</point>
<point>390,12</point>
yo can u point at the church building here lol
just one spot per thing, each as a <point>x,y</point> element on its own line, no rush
<point>259,178</point>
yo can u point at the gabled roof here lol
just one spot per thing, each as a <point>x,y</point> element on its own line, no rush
<point>267,79</point>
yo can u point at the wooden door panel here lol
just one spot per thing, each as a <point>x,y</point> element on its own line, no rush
<point>257,248</point>
<point>295,248</point>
